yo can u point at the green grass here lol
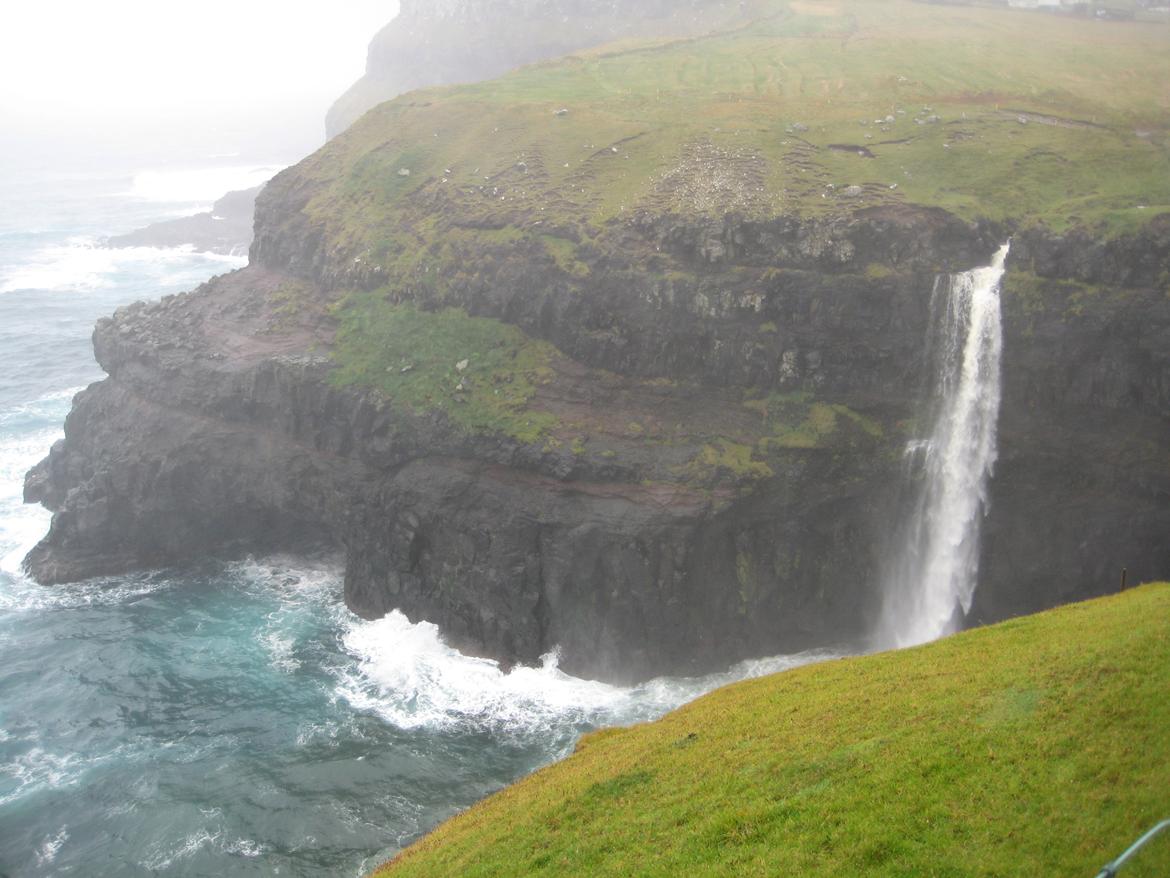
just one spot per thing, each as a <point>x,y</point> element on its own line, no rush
<point>796,421</point>
<point>412,358</point>
<point>723,459</point>
<point>745,121</point>
<point>1032,294</point>
<point>1035,747</point>
<point>789,422</point>
<point>290,300</point>
<point>564,253</point>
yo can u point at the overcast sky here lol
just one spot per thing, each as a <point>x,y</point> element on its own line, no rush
<point>69,62</point>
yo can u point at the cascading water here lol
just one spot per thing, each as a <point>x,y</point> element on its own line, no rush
<point>930,584</point>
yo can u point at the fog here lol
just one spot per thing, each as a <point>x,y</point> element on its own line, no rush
<point>141,79</point>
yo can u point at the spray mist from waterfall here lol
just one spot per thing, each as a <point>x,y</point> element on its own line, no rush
<point>931,581</point>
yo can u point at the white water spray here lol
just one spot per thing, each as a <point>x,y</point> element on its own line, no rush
<point>932,580</point>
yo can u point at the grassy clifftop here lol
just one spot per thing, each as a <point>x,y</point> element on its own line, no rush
<point>1034,747</point>
<point>525,198</point>
<point>817,109</point>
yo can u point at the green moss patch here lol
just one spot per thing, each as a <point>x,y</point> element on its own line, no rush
<point>564,253</point>
<point>1033,294</point>
<point>796,421</point>
<point>725,460</point>
<point>481,373</point>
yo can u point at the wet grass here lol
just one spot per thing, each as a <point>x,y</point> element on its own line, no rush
<point>1033,747</point>
<point>986,112</point>
<point>479,372</point>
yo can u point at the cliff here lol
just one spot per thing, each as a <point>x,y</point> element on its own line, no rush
<point>226,228</point>
<point>634,380</point>
<point>452,41</point>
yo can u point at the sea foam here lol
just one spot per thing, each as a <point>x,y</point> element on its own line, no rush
<point>82,265</point>
<point>49,849</point>
<point>21,525</point>
<point>407,675</point>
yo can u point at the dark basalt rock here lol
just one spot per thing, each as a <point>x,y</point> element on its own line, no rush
<point>218,431</point>
<point>1138,260</point>
<point>1082,487</point>
<point>225,229</point>
<point>211,436</point>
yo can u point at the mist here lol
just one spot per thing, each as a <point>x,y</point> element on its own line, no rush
<point>134,81</point>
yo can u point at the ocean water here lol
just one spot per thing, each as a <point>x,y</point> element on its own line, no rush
<point>233,719</point>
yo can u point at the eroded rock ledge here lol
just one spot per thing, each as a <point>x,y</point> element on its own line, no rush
<point>719,471</point>
<point>645,533</point>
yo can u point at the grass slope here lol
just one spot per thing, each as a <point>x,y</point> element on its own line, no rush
<point>990,113</point>
<point>413,358</point>
<point>1035,747</point>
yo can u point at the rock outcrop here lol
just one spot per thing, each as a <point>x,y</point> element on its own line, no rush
<point>654,546</point>
<point>226,228</point>
<point>640,536</point>
<point>1082,487</point>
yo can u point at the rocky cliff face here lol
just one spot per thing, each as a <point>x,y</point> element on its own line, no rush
<point>455,41</point>
<point>630,371</point>
<point>1082,488</point>
<point>656,545</point>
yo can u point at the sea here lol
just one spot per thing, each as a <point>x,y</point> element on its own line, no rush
<point>230,719</point>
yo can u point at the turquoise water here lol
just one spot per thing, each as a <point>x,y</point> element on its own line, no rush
<point>233,719</point>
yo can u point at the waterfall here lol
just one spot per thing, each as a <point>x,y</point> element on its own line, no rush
<point>931,581</point>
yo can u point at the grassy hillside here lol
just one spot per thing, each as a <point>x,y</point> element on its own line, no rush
<point>991,113</point>
<point>818,109</point>
<point>1034,747</point>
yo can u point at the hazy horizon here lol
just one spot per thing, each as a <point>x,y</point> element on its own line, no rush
<point>131,80</point>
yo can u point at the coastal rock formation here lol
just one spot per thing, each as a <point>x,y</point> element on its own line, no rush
<point>662,542</point>
<point>639,535</point>
<point>635,381</point>
<point>1082,487</point>
<point>226,228</point>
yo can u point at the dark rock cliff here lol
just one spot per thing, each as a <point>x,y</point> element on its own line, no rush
<point>654,546</point>
<point>621,354</point>
<point>226,228</point>
<point>1082,488</point>
<point>218,431</point>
